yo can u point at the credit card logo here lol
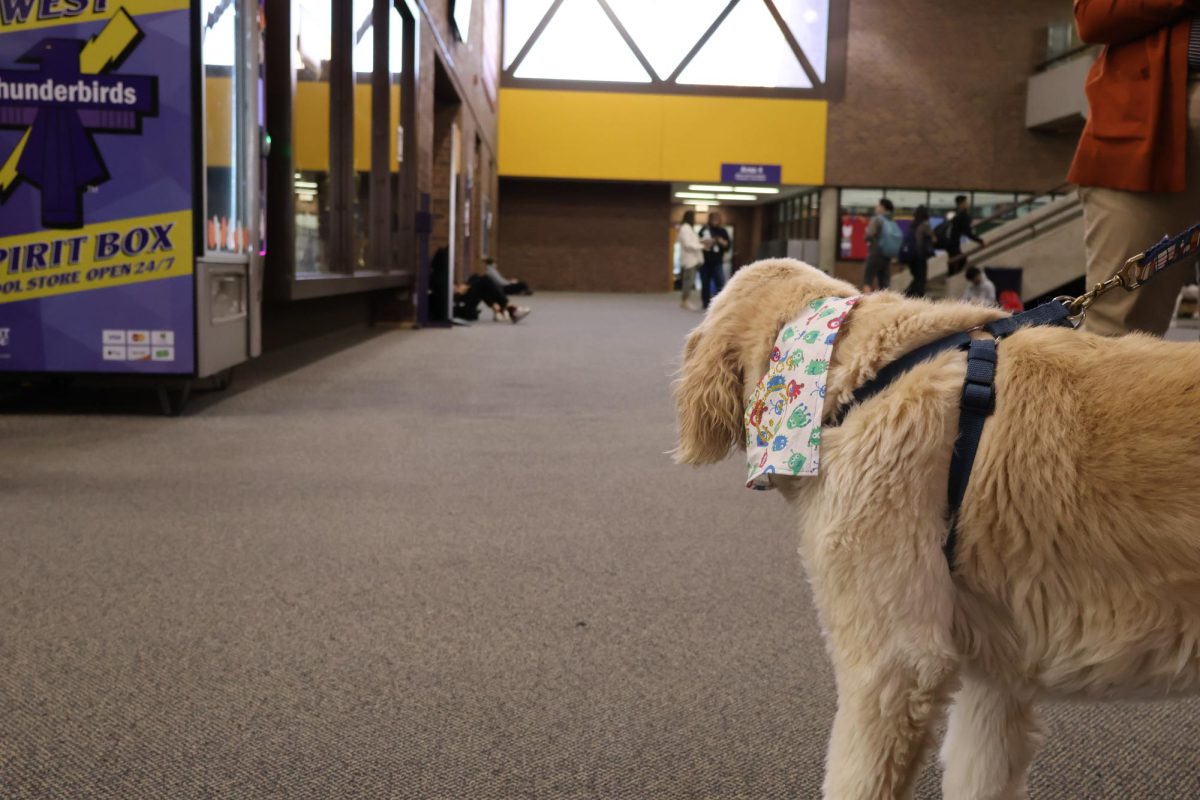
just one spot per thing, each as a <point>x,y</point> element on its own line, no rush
<point>114,352</point>
<point>113,337</point>
<point>163,354</point>
<point>138,337</point>
<point>166,338</point>
<point>138,353</point>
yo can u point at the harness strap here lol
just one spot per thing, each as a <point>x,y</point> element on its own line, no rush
<point>1045,314</point>
<point>978,396</point>
<point>977,404</point>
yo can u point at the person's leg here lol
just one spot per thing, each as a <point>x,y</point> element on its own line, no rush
<point>956,262</point>
<point>482,288</point>
<point>1118,225</point>
<point>706,280</point>
<point>868,280</point>
<point>687,284</point>
<point>884,271</point>
<point>466,305</point>
<point>718,278</point>
<point>916,287</point>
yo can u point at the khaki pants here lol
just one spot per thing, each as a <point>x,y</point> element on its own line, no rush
<point>1118,225</point>
<point>687,282</point>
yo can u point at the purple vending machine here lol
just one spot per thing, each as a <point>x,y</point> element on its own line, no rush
<point>129,202</point>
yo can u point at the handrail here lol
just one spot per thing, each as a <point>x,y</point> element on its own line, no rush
<point>997,242</point>
<point>1004,211</point>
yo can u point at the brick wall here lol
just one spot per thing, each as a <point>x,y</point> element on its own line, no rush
<point>586,236</point>
<point>935,97</point>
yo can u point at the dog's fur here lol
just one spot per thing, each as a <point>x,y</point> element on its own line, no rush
<point>1078,562</point>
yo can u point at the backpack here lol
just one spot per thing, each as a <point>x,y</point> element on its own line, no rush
<point>1011,301</point>
<point>890,238</point>
<point>941,235</point>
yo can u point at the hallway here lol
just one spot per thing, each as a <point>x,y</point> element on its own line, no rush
<point>448,564</point>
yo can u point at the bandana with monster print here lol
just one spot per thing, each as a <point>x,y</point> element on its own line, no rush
<point>783,419</point>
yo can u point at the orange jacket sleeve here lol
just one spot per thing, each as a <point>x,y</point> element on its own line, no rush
<point>1120,21</point>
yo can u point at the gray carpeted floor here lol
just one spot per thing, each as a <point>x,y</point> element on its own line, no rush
<point>443,564</point>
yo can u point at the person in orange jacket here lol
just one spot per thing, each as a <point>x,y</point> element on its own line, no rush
<point>1138,160</point>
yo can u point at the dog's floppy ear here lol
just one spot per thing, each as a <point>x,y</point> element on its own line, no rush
<point>708,398</point>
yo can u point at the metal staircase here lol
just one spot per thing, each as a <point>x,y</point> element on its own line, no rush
<point>1041,234</point>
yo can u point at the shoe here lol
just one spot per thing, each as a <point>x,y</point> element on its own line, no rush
<point>517,313</point>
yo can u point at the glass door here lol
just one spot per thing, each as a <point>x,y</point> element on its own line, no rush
<point>229,274</point>
<point>230,91</point>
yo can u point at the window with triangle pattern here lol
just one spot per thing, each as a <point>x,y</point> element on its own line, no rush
<point>767,47</point>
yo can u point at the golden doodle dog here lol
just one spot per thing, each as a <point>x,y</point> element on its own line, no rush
<point>1077,567</point>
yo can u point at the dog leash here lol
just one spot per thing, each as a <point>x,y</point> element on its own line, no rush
<point>1140,269</point>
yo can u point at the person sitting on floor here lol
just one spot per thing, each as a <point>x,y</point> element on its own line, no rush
<point>483,289</point>
<point>979,289</point>
<point>510,287</point>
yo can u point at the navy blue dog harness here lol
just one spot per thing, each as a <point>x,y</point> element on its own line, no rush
<point>978,395</point>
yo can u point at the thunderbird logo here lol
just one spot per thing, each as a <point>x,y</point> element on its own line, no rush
<point>71,95</point>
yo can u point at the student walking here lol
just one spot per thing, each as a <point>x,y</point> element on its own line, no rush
<point>960,226</point>
<point>712,273</point>
<point>884,240</point>
<point>691,256</point>
<point>918,247</point>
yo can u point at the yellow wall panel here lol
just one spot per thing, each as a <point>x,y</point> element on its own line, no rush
<point>362,127</point>
<point>310,126</point>
<point>217,121</point>
<point>580,134</point>
<point>632,136</point>
<point>311,115</point>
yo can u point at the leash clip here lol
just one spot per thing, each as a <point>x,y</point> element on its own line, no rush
<point>1078,306</point>
<point>1130,276</point>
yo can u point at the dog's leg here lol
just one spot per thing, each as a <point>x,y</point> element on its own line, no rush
<point>881,732</point>
<point>888,619</point>
<point>990,743</point>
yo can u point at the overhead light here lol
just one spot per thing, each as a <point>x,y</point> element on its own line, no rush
<point>704,187</point>
<point>702,205</point>
<point>310,185</point>
<point>696,195</point>
<point>734,197</point>
<point>756,189</point>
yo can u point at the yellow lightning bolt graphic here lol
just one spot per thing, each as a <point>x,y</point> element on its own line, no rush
<point>101,52</point>
<point>106,47</point>
<point>8,172</point>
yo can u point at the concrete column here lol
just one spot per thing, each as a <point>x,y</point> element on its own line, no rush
<point>829,232</point>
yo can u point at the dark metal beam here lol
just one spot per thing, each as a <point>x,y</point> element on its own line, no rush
<point>674,76</point>
<point>533,37</point>
<point>801,56</point>
<point>654,76</point>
